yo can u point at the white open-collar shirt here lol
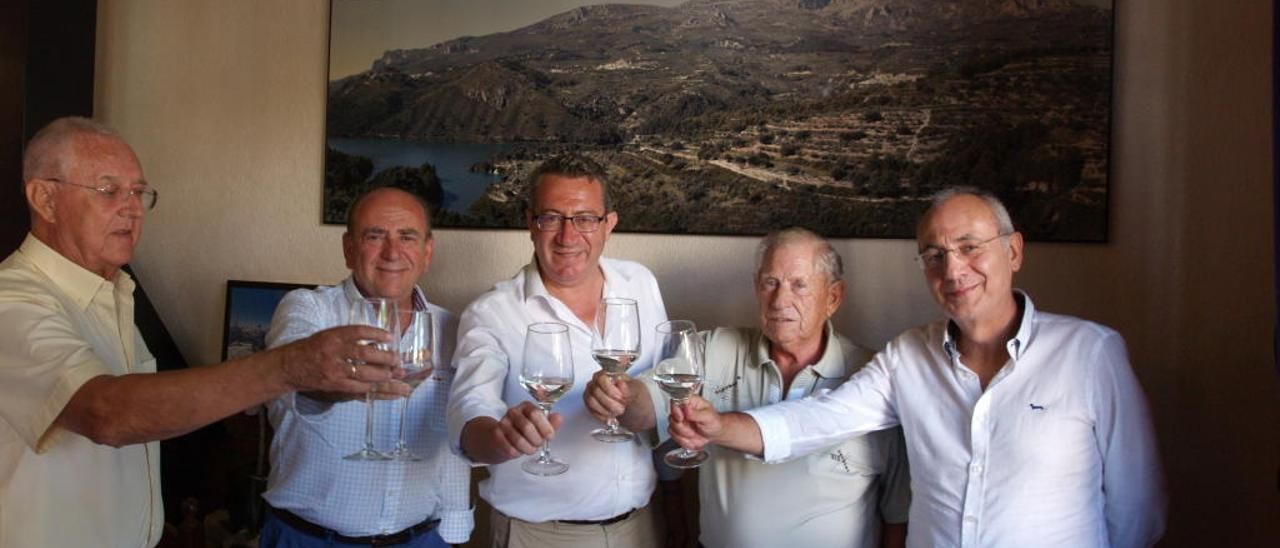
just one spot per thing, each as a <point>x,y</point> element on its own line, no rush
<point>604,479</point>
<point>1057,451</point>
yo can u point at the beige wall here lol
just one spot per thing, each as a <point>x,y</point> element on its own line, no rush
<point>224,102</point>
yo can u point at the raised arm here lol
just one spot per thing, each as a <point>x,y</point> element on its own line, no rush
<point>136,408</point>
<point>698,423</point>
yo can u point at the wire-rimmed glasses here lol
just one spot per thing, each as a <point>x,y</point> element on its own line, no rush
<point>934,257</point>
<point>113,192</point>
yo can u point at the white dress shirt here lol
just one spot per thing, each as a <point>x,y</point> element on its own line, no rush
<point>604,479</point>
<point>308,474</point>
<point>1057,451</point>
<point>60,326</point>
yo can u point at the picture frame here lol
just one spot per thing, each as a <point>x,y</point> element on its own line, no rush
<point>247,317</point>
<point>728,118</point>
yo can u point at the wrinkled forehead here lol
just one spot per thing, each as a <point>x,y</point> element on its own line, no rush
<point>102,158</point>
<point>791,260</point>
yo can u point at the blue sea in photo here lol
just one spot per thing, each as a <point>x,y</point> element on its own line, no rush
<point>452,162</point>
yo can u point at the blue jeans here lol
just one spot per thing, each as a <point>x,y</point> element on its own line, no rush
<point>277,534</point>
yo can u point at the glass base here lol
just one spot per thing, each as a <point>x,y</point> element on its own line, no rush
<point>681,458</point>
<point>367,454</point>
<point>404,454</point>
<point>618,435</point>
<point>549,467</point>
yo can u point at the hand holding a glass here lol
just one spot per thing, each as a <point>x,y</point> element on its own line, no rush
<point>679,373</point>
<point>547,375</point>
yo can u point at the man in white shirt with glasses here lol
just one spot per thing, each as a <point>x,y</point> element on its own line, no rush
<point>1023,428</point>
<point>602,499</point>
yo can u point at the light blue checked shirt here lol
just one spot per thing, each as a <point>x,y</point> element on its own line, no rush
<point>309,476</point>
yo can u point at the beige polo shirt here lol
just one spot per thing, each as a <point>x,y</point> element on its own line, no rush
<point>61,325</point>
<point>835,497</point>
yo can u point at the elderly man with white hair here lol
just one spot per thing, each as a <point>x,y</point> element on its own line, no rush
<point>839,495</point>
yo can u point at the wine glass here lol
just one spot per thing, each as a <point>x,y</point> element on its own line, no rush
<point>417,355</point>
<point>615,344</point>
<point>679,373</point>
<point>547,375</point>
<point>383,314</point>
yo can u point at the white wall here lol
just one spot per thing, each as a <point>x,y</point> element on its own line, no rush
<point>224,102</point>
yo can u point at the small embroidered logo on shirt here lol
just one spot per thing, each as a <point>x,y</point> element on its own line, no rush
<point>839,457</point>
<point>722,392</point>
<point>1035,407</point>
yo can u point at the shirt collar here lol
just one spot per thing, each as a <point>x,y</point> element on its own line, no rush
<point>830,365</point>
<point>76,281</point>
<point>1016,345</point>
<point>352,292</point>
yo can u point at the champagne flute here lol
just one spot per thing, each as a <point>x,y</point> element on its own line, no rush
<point>417,355</point>
<point>615,344</point>
<point>679,373</point>
<point>547,375</point>
<point>383,314</point>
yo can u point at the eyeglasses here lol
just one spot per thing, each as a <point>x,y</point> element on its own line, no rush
<point>551,222</point>
<point>112,191</point>
<point>934,258</point>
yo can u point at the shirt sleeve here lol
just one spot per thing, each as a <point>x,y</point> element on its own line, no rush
<point>44,363</point>
<point>862,404</point>
<point>480,363</point>
<point>297,317</point>
<point>457,516</point>
<point>1132,481</point>
<point>895,481</point>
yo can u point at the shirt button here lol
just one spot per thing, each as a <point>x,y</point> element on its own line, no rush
<point>970,519</point>
<point>977,468</point>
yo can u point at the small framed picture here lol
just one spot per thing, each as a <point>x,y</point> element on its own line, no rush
<point>248,316</point>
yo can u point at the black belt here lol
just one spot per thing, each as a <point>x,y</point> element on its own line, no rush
<point>600,522</point>
<point>295,521</point>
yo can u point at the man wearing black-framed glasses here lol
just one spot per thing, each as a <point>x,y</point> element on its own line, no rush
<point>82,407</point>
<point>602,499</point>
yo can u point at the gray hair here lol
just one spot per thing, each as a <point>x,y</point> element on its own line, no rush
<point>826,260</point>
<point>571,165</point>
<point>1003,221</point>
<point>47,151</point>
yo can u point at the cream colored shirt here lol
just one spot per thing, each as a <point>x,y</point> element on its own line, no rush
<point>834,497</point>
<point>61,325</point>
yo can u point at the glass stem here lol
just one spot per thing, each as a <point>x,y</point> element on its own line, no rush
<point>368,420</point>
<point>404,410</point>
<point>684,453</point>
<point>544,452</point>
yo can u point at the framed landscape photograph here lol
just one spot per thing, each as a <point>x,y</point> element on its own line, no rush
<point>728,117</point>
<point>248,315</point>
